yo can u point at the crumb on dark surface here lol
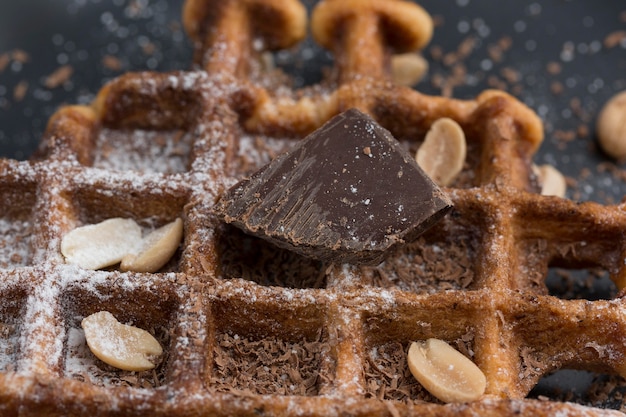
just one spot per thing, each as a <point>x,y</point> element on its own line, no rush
<point>582,387</point>
<point>60,76</point>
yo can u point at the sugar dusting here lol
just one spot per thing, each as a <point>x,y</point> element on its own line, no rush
<point>143,151</point>
<point>15,243</point>
<point>78,360</point>
<point>253,152</point>
<point>9,339</point>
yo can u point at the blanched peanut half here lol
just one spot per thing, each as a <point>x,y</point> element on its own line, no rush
<point>442,154</point>
<point>611,126</point>
<point>445,372</point>
<point>155,250</point>
<point>119,345</point>
<point>99,245</point>
<point>551,180</point>
<point>408,69</point>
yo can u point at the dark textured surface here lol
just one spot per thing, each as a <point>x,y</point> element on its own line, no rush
<point>346,193</point>
<point>147,35</point>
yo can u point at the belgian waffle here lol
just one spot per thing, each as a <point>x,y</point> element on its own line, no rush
<point>250,329</point>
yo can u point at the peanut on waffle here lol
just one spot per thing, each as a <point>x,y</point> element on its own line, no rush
<point>250,329</point>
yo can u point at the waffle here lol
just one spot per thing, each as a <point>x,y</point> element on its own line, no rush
<point>251,329</point>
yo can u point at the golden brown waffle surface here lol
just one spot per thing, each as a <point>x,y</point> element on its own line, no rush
<point>249,329</point>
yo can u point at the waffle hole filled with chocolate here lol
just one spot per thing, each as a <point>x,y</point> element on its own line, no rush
<point>582,387</point>
<point>260,351</point>
<point>16,225</point>
<point>156,315</point>
<point>441,259</point>
<point>145,151</point>
<point>387,374</point>
<point>388,338</point>
<point>254,259</point>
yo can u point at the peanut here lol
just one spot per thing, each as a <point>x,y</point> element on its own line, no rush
<point>155,250</point>
<point>408,69</point>
<point>611,127</point>
<point>443,152</point>
<point>445,372</point>
<point>100,245</point>
<point>551,180</point>
<point>119,345</point>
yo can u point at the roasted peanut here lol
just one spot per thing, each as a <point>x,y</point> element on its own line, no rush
<point>100,245</point>
<point>119,345</point>
<point>611,127</point>
<point>445,372</point>
<point>551,180</point>
<point>408,69</point>
<point>155,250</point>
<point>442,154</point>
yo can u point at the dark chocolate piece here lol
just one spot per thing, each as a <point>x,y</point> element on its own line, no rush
<point>346,193</point>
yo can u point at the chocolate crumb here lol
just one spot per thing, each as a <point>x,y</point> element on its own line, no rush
<point>582,131</point>
<point>112,63</point>
<point>268,366</point>
<point>557,87</point>
<point>388,377</point>
<point>253,259</point>
<point>59,76</point>
<point>554,68</point>
<point>20,90</point>
<point>443,266</point>
<point>613,39</point>
<point>4,61</point>
<point>20,56</point>
<point>148,48</point>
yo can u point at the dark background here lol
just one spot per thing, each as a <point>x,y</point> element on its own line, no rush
<point>568,36</point>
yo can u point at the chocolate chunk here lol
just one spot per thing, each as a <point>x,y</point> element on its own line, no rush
<point>346,193</point>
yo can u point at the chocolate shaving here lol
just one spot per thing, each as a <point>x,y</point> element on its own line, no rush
<point>266,366</point>
<point>254,259</point>
<point>58,77</point>
<point>442,259</point>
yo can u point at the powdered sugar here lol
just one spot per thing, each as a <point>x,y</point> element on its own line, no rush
<point>253,152</point>
<point>15,243</point>
<point>144,151</point>
<point>9,339</point>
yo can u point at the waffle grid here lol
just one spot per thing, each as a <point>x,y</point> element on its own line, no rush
<point>344,332</point>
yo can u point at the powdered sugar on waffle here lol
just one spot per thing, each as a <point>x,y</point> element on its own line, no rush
<point>15,243</point>
<point>144,151</point>
<point>9,342</point>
